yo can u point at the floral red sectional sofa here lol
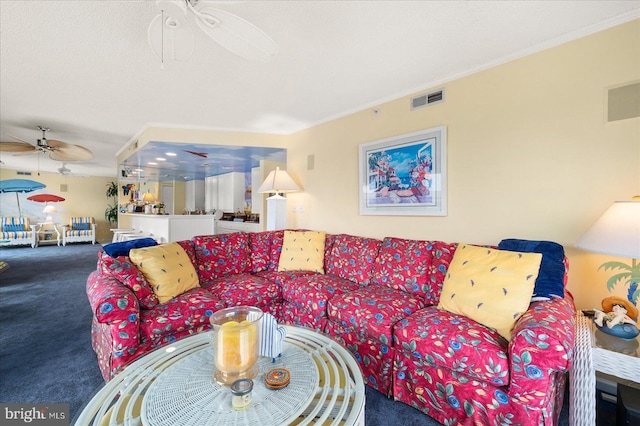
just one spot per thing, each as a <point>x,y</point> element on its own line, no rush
<point>378,298</point>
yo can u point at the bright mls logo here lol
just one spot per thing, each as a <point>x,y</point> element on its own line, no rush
<point>34,414</point>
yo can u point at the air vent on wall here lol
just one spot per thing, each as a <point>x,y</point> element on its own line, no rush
<point>623,102</point>
<point>427,99</point>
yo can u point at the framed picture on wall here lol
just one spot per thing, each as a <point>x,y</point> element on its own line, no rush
<point>405,175</point>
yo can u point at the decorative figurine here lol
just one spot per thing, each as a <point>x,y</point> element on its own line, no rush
<point>271,337</point>
<point>617,318</point>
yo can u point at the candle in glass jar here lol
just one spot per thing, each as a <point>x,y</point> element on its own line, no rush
<point>236,349</point>
<point>241,393</point>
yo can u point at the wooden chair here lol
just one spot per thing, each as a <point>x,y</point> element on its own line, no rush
<point>79,229</point>
<point>16,231</point>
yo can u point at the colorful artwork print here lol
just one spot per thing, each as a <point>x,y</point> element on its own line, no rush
<point>405,174</point>
<point>401,174</point>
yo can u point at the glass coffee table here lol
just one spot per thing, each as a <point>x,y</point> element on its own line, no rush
<point>174,385</point>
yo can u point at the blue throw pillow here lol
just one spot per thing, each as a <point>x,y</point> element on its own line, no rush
<point>550,281</point>
<point>122,249</point>
<point>81,226</point>
<point>13,228</point>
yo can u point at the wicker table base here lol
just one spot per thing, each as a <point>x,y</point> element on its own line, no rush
<point>325,378</point>
<point>596,351</point>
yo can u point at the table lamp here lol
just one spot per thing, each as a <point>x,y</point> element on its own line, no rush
<point>617,233</point>
<point>148,198</point>
<point>49,209</point>
<point>277,181</point>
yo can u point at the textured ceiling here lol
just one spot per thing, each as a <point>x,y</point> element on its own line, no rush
<point>84,68</point>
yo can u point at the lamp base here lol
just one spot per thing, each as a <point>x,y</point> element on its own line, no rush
<point>276,212</point>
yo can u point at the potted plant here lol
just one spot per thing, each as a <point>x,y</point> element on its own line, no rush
<point>158,208</point>
<point>111,212</point>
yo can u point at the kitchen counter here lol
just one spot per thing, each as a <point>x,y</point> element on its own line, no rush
<point>169,228</point>
<point>228,226</point>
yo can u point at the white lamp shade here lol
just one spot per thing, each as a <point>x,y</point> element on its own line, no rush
<point>278,181</point>
<point>148,197</point>
<point>50,209</point>
<point>616,233</point>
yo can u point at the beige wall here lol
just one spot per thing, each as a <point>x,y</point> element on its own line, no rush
<point>85,196</point>
<point>529,155</point>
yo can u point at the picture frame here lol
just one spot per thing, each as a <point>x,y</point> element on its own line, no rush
<point>405,175</point>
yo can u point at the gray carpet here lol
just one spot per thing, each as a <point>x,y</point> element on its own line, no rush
<point>45,339</point>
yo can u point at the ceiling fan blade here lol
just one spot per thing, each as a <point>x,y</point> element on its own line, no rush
<point>236,34</point>
<point>63,151</point>
<point>18,139</point>
<point>22,147</point>
<point>176,41</point>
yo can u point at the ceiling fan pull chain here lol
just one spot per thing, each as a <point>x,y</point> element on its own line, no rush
<point>162,42</point>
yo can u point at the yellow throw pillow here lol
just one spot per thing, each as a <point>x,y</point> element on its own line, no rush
<point>167,268</point>
<point>302,251</point>
<point>492,287</point>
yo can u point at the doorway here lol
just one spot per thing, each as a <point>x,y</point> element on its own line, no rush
<point>166,196</point>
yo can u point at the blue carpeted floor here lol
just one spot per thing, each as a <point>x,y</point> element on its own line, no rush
<point>45,339</point>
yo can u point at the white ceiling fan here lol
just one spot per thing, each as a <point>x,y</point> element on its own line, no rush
<point>57,150</point>
<point>170,35</point>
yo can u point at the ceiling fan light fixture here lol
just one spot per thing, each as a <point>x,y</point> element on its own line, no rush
<point>170,38</point>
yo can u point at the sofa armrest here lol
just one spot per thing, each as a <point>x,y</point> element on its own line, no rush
<point>541,348</point>
<point>115,305</point>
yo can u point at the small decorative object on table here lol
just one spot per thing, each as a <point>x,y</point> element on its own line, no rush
<point>272,337</point>
<point>277,378</point>
<point>617,318</point>
<point>241,391</point>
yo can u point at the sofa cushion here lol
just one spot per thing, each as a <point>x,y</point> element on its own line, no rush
<point>302,251</point>
<point>403,265</point>
<point>314,291</point>
<point>260,247</point>
<point>293,314</point>
<point>277,238</point>
<point>550,281</point>
<point>81,223</point>
<point>221,255</point>
<point>455,342</point>
<point>352,258</point>
<point>375,359</point>
<point>245,289</point>
<point>18,235</point>
<point>122,269</point>
<point>14,224</point>
<point>441,257</point>
<point>167,268</point>
<point>492,287</point>
<point>373,310</point>
<point>81,227</point>
<point>189,310</point>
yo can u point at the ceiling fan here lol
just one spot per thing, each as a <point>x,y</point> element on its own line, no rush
<point>65,171</point>
<point>173,27</point>
<point>57,150</point>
